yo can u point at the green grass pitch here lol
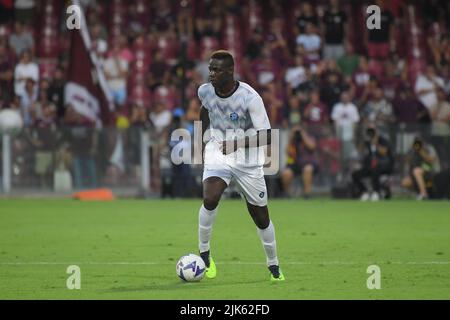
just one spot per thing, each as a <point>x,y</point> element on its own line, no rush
<point>127,249</point>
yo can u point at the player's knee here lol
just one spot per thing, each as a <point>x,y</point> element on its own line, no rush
<point>260,215</point>
<point>211,202</point>
<point>262,222</point>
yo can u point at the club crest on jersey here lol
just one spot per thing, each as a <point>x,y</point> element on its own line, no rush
<point>234,116</point>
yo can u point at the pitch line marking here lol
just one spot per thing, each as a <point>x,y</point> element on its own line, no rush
<point>231,263</point>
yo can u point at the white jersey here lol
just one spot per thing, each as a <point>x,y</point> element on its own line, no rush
<point>240,114</point>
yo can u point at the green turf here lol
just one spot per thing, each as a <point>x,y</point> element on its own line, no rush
<point>128,249</point>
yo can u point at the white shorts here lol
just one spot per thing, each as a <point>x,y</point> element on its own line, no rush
<point>249,181</point>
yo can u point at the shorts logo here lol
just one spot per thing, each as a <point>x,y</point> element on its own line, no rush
<point>261,195</point>
<point>234,116</point>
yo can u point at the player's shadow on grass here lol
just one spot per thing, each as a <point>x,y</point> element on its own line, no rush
<point>177,285</point>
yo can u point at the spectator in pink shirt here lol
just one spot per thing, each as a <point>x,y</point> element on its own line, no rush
<point>125,51</point>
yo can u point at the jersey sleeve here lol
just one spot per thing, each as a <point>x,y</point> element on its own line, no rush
<point>258,114</point>
<point>201,92</point>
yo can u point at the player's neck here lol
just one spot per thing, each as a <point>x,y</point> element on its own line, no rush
<point>228,89</point>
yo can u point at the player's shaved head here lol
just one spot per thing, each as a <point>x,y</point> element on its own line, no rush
<point>224,56</point>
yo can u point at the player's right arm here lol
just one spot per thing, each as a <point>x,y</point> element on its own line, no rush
<point>204,118</point>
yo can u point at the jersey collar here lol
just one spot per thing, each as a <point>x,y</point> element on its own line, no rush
<point>237,84</point>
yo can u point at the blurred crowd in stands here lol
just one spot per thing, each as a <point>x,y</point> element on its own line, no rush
<point>315,63</point>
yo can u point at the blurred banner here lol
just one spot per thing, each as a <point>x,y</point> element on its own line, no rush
<point>86,89</point>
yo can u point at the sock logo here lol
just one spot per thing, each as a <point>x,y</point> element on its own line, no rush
<point>261,195</point>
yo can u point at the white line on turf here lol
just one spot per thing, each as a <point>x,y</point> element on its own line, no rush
<point>231,263</point>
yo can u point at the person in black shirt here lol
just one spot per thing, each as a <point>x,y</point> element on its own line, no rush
<point>55,92</point>
<point>304,16</point>
<point>254,44</point>
<point>377,161</point>
<point>379,41</point>
<point>335,26</point>
<point>332,88</point>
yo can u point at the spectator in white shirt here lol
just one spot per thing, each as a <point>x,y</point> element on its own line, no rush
<point>311,42</point>
<point>160,117</point>
<point>345,116</point>
<point>296,74</point>
<point>25,69</point>
<point>427,85</point>
<point>345,112</point>
<point>116,72</point>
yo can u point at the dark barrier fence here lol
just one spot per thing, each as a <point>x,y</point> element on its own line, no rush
<point>137,161</point>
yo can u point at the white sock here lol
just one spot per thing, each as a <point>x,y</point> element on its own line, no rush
<point>205,221</point>
<point>269,243</point>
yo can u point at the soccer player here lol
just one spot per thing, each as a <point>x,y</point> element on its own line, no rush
<point>229,108</point>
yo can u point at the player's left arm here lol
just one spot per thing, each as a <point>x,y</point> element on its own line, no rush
<point>261,138</point>
<point>261,124</point>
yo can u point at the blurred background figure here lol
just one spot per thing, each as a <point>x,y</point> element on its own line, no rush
<point>381,41</point>
<point>301,161</point>
<point>83,144</point>
<point>182,181</point>
<point>25,69</point>
<point>21,39</point>
<point>116,72</point>
<point>427,85</point>
<point>345,116</point>
<point>423,165</point>
<point>336,27</point>
<point>377,160</point>
<point>440,127</point>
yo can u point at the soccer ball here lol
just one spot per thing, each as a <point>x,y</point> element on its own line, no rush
<point>191,268</point>
<point>10,121</point>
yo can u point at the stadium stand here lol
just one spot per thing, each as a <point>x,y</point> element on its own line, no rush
<point>167,43</point>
